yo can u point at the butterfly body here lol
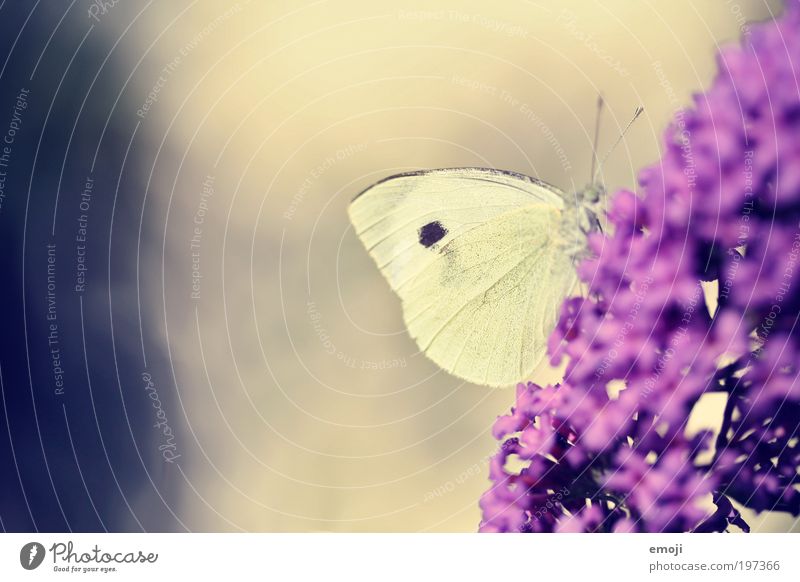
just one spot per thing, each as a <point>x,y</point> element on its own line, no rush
<point>481,260</point>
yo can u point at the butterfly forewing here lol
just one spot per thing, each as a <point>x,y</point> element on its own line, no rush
<point>475,257</point>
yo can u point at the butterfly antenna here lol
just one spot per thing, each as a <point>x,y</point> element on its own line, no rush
<point>636,114</point>
<point>596,134</point>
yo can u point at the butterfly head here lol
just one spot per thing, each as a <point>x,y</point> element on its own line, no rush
<point>592,196</point>
<point>590,201</point>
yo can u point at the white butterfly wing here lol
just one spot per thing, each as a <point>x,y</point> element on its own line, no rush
<point>477,260</point>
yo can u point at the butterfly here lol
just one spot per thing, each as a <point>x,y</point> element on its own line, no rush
<point>481,259</point>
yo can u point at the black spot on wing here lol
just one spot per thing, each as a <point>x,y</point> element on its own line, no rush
<point>431,233</point>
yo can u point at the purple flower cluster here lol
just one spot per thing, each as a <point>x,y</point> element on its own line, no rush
<point>608,449</point>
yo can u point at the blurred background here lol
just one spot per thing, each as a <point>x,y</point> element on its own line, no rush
<point>192,336</point>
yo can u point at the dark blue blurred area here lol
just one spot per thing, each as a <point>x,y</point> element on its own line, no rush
<point>78,447</point>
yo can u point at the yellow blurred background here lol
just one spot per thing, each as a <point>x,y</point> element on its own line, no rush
<point>303,405</point>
